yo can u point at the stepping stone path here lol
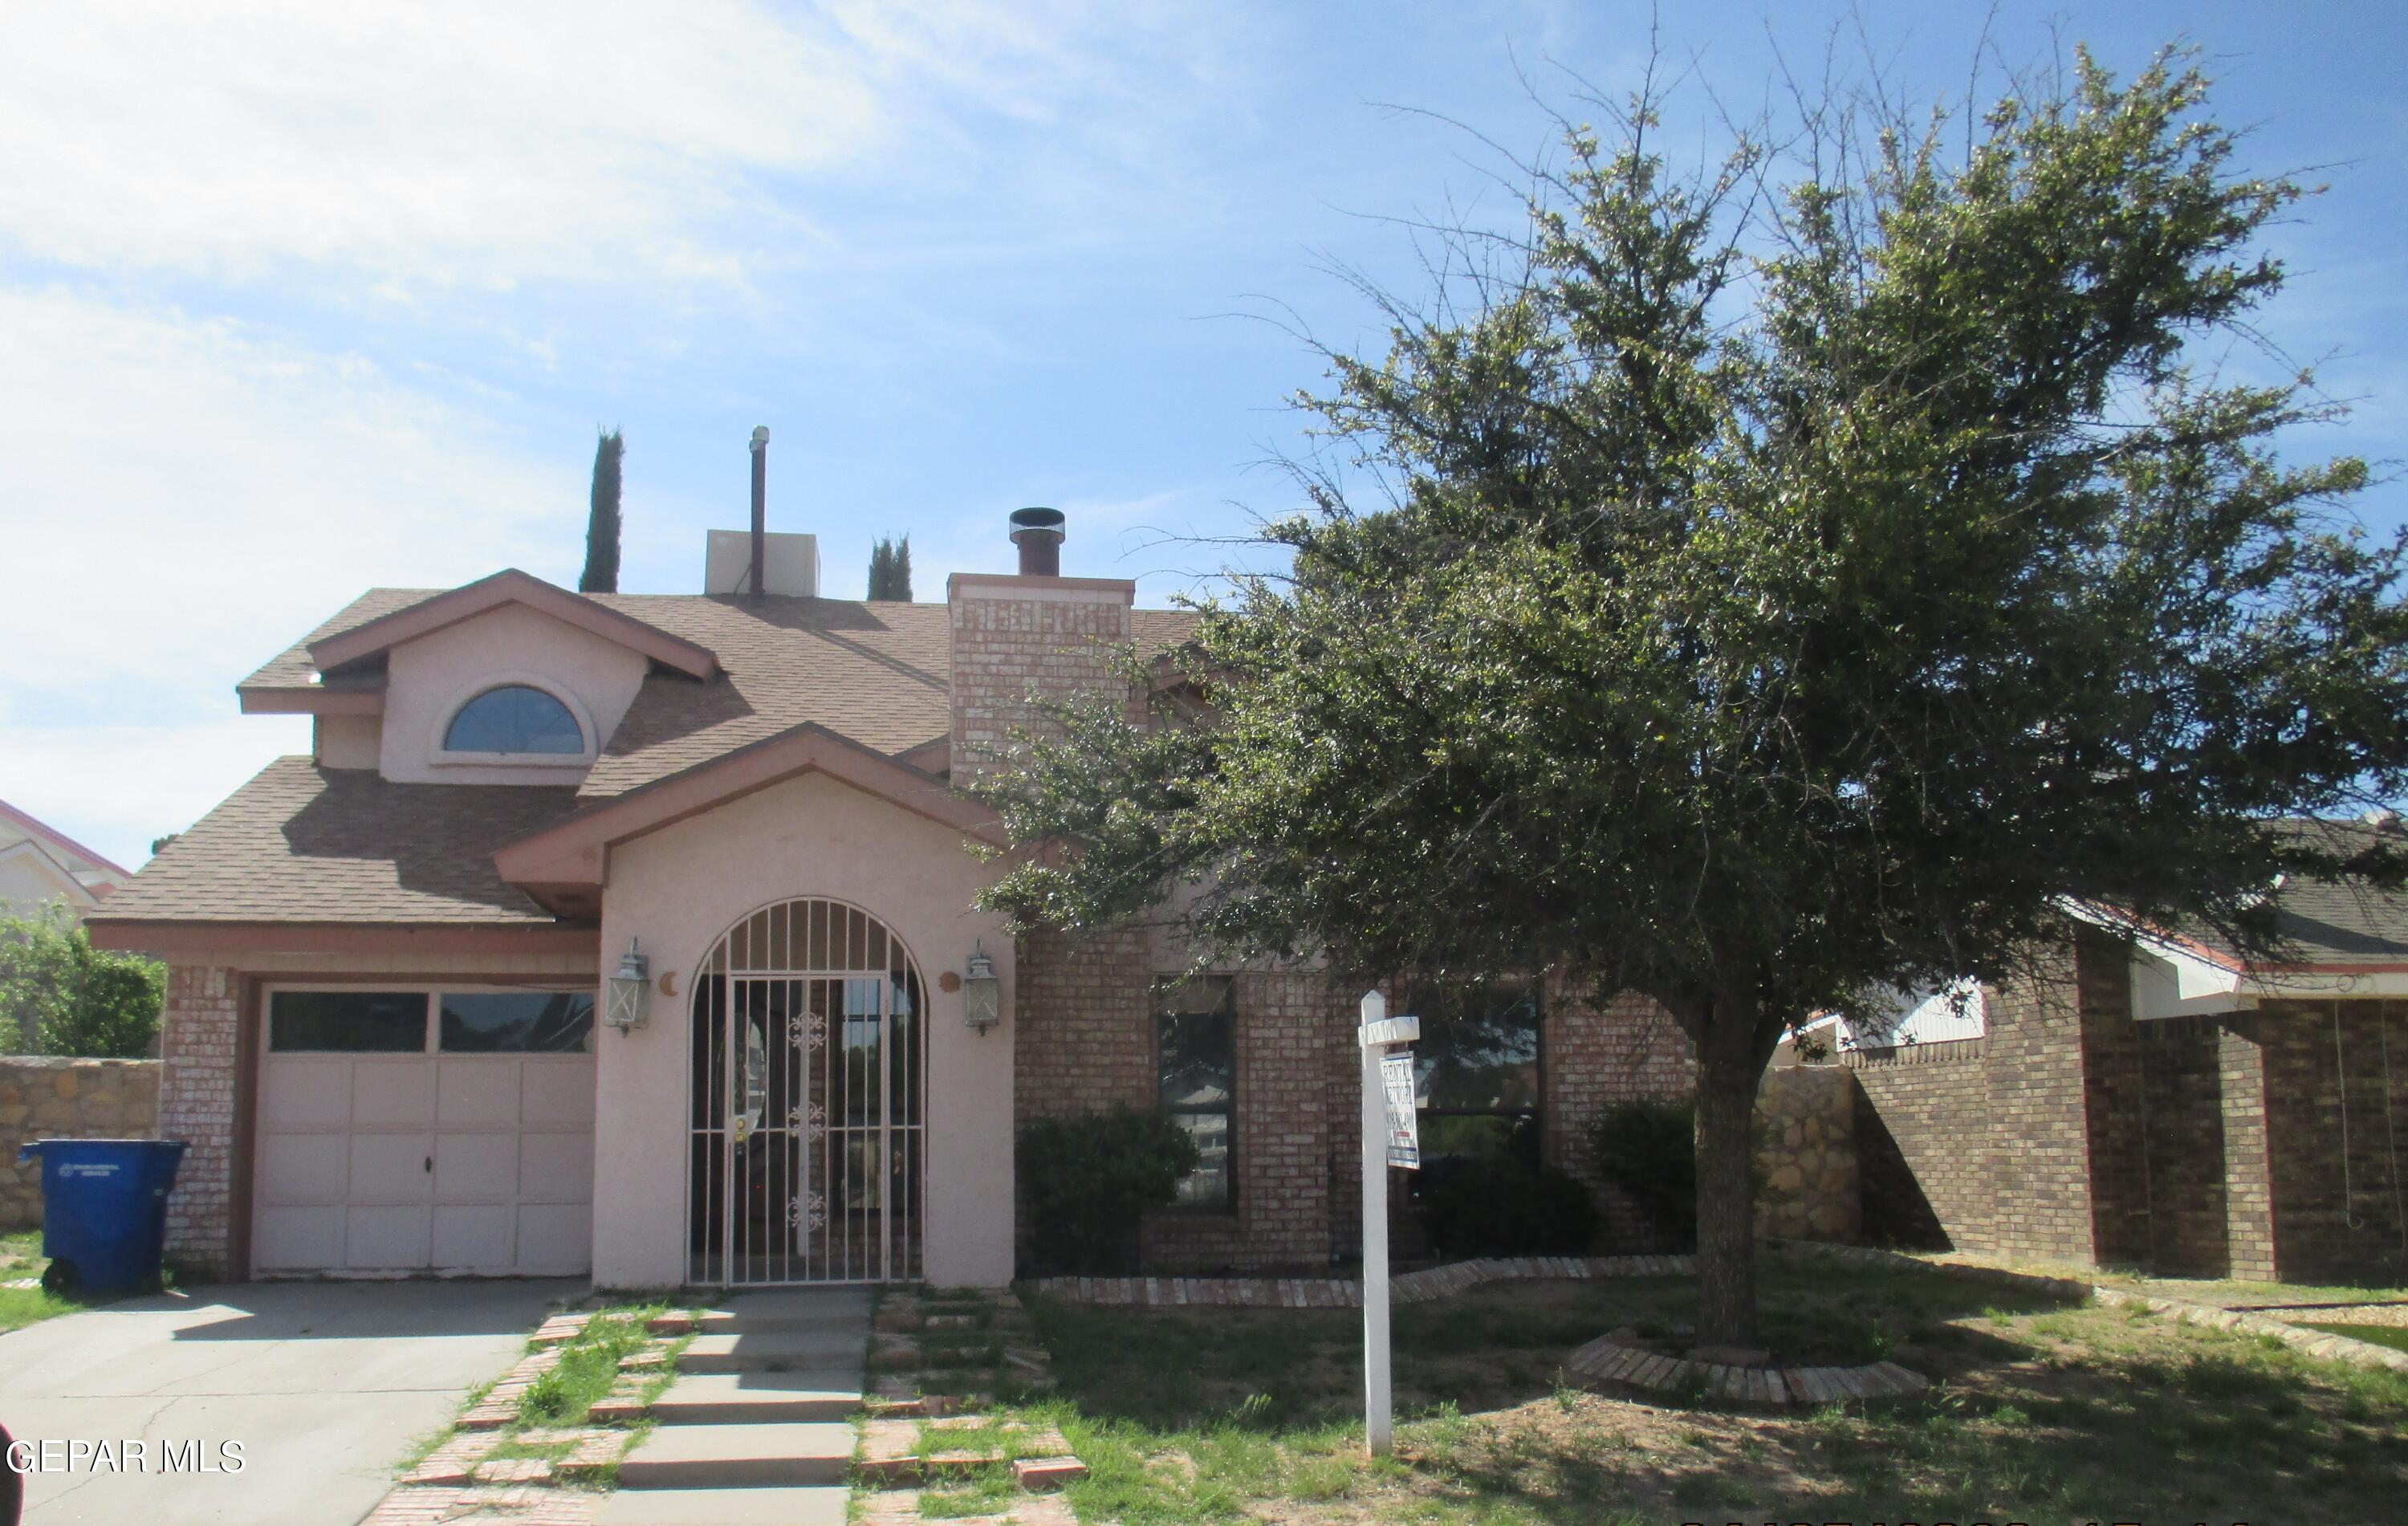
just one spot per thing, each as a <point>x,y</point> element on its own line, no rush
<point>757,1428</point>
<point>936,1359</point>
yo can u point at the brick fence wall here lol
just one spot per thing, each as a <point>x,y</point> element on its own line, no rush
<point>46,1097</point>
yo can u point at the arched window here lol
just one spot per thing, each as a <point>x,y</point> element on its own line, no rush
<point>514,718</point>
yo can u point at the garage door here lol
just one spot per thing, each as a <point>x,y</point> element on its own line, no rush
<point>448,1131</point>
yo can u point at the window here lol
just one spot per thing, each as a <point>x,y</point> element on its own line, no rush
<point>517,1022</point>
<point>1476,1069</point>
<point>1196,1023</point>
<point>346,1022</point>
<point>514,718</point>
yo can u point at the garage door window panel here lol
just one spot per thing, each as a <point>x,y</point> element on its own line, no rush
<point>346,1023</point>
<point>517,1023</point>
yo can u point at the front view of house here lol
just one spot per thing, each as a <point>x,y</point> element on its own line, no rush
<point>388,1033</point>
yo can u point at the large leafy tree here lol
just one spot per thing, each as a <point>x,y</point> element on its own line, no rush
<point>601,574</point>
<point>1792,581</point>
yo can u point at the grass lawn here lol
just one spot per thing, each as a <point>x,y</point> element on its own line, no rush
<point>20,1257</point>
<point>2039,1411</point>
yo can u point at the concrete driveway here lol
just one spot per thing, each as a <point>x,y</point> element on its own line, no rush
<point>324,1385</point>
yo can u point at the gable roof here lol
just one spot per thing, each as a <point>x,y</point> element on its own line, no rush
<point>69,853</point>
<point>374,636</point>
<point>46,864</point>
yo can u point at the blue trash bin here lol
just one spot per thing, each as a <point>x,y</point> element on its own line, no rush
<point>104,1212</point>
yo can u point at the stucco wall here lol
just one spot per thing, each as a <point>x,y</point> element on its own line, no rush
<point>679,890</point>
<point>42,1097</point>
<point>428,680</point>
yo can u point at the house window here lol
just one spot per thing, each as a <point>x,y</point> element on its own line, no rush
<point>1196,1024</point>
<point>516,1023</point>
<point>514,718</point>
<point>1476,1069</point>
<point>346,1022</point>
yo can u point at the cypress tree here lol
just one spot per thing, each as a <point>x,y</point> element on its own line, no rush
<point>890,570</point>
<point>601,575</point>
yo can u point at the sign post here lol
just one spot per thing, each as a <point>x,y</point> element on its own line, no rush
<point>1385,1140</point>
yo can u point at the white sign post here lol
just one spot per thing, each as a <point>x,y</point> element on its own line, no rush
<point>1379,1034</point>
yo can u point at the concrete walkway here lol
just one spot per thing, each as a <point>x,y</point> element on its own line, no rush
<point>323,1386</point>
<point>757,1428</point>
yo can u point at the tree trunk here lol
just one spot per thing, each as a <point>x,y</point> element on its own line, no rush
<point>1727,1083</point>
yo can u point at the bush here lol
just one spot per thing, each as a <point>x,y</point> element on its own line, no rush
<point>1650,1150</point>
<point>1503,1203</point>
<point>69,997</point>
<point>1088,1180</point>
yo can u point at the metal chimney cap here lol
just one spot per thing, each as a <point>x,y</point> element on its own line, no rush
<point>1036,521</point>
<point>760,436</point>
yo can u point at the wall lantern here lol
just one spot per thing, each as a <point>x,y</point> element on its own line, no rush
<point>982,994</point>
<point>630,991</point>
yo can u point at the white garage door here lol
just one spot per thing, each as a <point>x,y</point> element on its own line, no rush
<point>448,1131</point>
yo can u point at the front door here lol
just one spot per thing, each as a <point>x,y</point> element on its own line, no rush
<point>806,1144</point>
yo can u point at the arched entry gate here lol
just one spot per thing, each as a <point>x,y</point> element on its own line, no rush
<point>809,1085</point>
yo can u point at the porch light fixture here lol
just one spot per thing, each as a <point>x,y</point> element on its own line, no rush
<point>631,991</point>
<point>982,994</point>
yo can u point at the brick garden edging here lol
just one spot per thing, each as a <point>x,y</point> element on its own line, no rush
<point>1607,1360</point>
<point>2316,1343</point>
<point>1422,1286</point>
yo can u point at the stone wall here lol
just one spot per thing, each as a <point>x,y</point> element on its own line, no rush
<point>42,1097</point>
<point>1806,1155</point>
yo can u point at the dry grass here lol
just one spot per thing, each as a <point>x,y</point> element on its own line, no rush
<point>2039,1413</point>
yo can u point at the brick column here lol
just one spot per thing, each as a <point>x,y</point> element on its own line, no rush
<point>200,1070</point>
<point>2248,1176</point>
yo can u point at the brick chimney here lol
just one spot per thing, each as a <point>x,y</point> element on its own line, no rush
<point>1029,633</point>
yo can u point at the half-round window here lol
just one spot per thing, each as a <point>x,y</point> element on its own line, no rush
<point>514,719</point>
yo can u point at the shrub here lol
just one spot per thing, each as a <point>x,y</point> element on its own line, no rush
<point>1086,1182</point>
<point>72,999</point>
<point>1650,1150</point>
<point>1503,1203</point>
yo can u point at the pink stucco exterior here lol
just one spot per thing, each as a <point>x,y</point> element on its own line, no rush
<point>679,890</point>
<point>429,679</point>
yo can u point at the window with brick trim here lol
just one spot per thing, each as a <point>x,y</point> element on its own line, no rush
<point>1196,1032</point>
<point>1476,1069</point>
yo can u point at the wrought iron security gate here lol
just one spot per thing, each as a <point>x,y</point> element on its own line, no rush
<point>807,1145</point>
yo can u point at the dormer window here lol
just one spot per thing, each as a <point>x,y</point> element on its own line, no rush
<point>514,718</point>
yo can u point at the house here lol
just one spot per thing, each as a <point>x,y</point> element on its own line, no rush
<point>40,866</point>
<point>2154,1100</point>
<point>393,961</point>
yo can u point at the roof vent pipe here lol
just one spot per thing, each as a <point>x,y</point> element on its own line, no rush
<point>760,504</point>
<point>1037,533</point>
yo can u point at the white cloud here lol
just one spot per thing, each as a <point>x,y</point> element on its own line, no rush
<point>184,495</point>
<point>464,142</point>
<point>115,788</point>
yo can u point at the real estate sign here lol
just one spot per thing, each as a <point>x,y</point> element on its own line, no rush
<point>1404,1119</point>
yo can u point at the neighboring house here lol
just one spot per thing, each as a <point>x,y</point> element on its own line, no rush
<point>2160,1102</point>
<point>40,866</point>
<point>387,958</point>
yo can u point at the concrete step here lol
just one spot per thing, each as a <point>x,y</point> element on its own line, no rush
<point>737,1459</point>
<point>733,1319</point>
<point>773,1351</point>
<point>755,1398</point>
<point>791,1303</point>
<point>813,1505</point>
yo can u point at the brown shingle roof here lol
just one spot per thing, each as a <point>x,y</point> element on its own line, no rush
<point>301,844</point>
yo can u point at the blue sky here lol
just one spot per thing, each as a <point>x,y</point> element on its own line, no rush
<point>296,300</point>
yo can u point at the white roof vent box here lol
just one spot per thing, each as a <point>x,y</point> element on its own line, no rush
<point>790,564</point>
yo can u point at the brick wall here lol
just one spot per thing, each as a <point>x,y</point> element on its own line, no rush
<point>2115,1113</point>
<point>199,1063</point>
<point>2336,1130</point>
<point>1923,1154</point>
<point>1593,1059</point>
<point>1015,636</point>
<point>50,1097</point>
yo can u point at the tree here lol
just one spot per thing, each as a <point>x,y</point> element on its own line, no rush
<point>69,997</point>
<point>890,570</point>
<point>601,574</point>
<point>1792,582</point>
